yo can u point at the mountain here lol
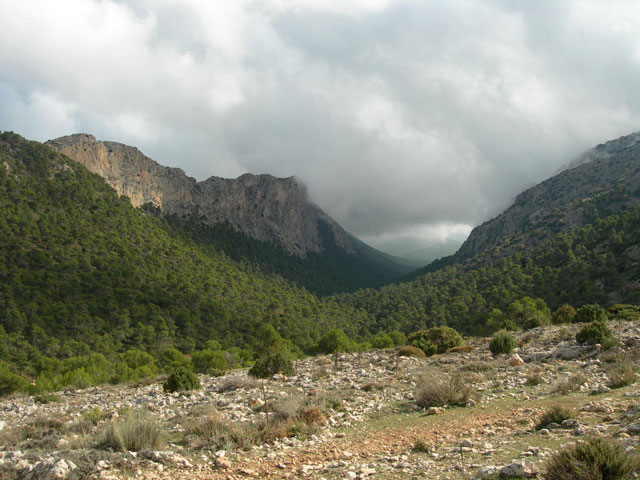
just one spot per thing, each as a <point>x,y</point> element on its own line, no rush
<point>294,237</point>
<point>262,206</point>
<point>81,271</point>
<point>574,238</point>
<point>572,199</point>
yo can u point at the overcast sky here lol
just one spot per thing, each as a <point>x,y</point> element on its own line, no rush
<point>419,118</point>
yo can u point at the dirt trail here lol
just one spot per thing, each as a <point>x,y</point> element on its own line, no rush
<point>364,445</point>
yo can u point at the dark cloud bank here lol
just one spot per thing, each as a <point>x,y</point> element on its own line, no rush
<point>404,118</point>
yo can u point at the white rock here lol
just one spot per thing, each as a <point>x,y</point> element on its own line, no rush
<point>518,469</point>
<point>515,360</point>
<point>52,470</point>
<point>486,472</point>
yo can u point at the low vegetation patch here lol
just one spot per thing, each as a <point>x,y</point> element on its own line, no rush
<point>134,432</point>
<point>624,312</point>
<point>435,340</point>
<point>477,367</point>
<point>534,380</point>
<point>45,398</point>
<point>237,382</point>
<point>462,349</point>
<point>420,447</point>
<point>621,374</point>
<point>181,379</point>
<point>595,333</point>
<point>502,342</point>
<point>556,414</point>
<point>211,430</point>
<point>595,459</point>
<point>440,390</point>
<point>410,351</point>
<point>571,384</point>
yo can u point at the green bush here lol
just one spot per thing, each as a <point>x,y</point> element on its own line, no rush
<point>10,382</point>
<point>564,314</point>
<point>595,459</point>
<point>499,321</point>
<point>502,342</point>
<point>624,312</point>
<point>134,432</point>
<point>134,365</point>
<point>529,313</point>
<point>172,359</point>
<point>382,340</point>
<point>270,365</point>
<point>209,361</point>
<point>556,414</point>
<point>435,340</point>
<point>335,341</point>
<point>409,351</point>
<point>398,338</point>
<point>180,380</point>
<point>590,313</point>
<point>595,332</point>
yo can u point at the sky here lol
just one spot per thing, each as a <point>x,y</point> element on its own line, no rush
<point>415,119</point>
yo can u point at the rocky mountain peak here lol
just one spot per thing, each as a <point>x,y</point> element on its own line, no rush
<point>264,207</point>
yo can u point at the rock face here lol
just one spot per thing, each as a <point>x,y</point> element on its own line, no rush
<point>263,207</point>
<point>569,200</point>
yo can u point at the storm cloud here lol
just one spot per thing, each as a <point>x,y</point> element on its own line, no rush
<point>419,118</point>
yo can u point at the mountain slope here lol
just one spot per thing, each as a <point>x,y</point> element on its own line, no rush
<point>275,212</point>
<point>81,268</point>
<point>262,206</point>
<point>574,238</point>
<point>572,199</point>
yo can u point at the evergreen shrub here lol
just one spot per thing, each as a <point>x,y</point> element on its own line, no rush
<point>595,459</point>
<point>502,342</point>
<point>595,332</point>
<point>435,340</point>
<point>181,379</point>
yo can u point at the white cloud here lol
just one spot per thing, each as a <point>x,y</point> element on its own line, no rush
<point>400,116</point>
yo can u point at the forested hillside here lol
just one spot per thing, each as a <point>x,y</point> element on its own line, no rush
<point>83,271</point>
<point>573,238</point>
<point>572,199</point>
<point>264,220</point>
<point>326,273</point>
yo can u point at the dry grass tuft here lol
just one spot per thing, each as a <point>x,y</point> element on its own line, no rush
<point>134,432</point>
<point>440,390</point>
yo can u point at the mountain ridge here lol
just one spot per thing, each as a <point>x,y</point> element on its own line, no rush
<point>562,202</point>
<point>264,207</point>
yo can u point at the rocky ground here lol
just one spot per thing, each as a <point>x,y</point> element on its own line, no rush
<point>340,417</point>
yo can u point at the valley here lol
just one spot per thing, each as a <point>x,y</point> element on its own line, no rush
<point>114,287</point>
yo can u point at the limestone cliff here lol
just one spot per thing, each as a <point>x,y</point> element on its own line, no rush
<point>264,207</point>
